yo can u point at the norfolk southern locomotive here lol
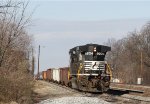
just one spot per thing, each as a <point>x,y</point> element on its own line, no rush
<point>88,69</point>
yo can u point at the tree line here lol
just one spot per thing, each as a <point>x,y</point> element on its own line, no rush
<point>130,56</point>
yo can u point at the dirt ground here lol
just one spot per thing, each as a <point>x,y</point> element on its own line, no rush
<point>44,90</point>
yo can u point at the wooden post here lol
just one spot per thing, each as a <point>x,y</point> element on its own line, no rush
<point>141,64</point>
<point>33,63</point>
<point>38,74</point>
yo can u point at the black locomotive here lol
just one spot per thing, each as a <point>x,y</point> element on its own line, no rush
<point>88,69</point>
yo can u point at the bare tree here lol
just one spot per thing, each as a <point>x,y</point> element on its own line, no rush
<point>15,46</point>
<point>130,56</point>
<point>12,26</point>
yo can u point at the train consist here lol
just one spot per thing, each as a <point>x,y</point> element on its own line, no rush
<point>88,69</point>
<point>57,75</point>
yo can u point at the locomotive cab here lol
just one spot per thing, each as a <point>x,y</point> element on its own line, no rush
<point>88,69</point>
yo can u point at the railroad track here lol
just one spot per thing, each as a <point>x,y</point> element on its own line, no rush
<point>112,95</point>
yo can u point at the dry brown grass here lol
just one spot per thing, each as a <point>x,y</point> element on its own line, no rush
<point>16,86</point>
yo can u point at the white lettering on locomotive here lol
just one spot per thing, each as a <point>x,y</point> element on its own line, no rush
<point>99,53</point>
<point>89,53</point>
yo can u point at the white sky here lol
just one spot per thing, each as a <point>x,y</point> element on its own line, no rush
<point>63,24</point>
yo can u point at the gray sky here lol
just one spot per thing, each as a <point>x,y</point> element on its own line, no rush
<point>63,24</point>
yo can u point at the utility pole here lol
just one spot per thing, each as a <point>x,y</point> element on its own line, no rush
<point>140,79</point>
<point>141,64</point>
<point>38,74</point>
<point>33,63</point>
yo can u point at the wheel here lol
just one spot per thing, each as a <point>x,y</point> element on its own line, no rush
<point>74,84</point>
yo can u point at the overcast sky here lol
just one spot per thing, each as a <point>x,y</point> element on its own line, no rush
<point>59,25</point>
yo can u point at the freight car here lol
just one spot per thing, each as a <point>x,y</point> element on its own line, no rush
<point>88,69</point>
<point>44,76</point>
<point>64,76</point>
<point>56,75</point>
<point>49,75</point>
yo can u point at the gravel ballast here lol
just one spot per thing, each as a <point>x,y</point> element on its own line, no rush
<point>51,93</point>
<point>74,100</point>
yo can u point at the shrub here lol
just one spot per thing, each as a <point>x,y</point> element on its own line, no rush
<point>16,86</point>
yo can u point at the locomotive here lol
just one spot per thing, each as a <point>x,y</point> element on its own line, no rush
<point>88,69</point>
